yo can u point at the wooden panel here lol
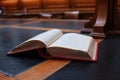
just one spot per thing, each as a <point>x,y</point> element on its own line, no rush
<point>119,3</point>
<point>9,4</point>
<point>83,3</point>
<point>53,4</point>
<point>72,15</point>
<point>0,4</point>
<point>119,6</point>
<point>31,3</point>
<point>42,5</point>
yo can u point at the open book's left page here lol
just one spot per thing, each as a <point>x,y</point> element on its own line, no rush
<point>39,41</point>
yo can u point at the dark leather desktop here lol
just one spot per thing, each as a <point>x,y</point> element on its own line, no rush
<point>12,65</point>
<point>106,68</point>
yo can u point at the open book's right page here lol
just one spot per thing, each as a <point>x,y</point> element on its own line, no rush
<point>74,41</point>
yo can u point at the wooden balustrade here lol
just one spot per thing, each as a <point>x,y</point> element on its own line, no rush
<point>105,21</point>
<point>12,6</point>
<point>37,6</point>
<point>48,4</point>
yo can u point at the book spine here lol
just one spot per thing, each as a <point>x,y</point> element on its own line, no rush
<point>43,53</point>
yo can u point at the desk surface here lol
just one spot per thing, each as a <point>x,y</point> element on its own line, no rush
<point>106,68</point>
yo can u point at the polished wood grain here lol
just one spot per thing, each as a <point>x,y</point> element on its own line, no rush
<point>106,19</point>
<point>83,3</point>
<point>43,70</point>
<point>17,6</point>
<point>72,15</point>
<point>52,4</point>
<point>31,4</point>
<point>9,4</point>
<point>5,77</point>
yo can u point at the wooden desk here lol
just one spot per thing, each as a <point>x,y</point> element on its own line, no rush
<point>106,68</point>
<point>37,72</point>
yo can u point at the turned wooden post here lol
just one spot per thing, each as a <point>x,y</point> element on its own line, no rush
<point>105,21</point>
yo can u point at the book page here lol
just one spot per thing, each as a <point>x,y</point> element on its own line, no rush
<point>93,50</point>
<point>39,41</point>
<point>48,37</point>
<point>73,41</point>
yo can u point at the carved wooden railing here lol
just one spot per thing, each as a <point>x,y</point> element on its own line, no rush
<point>105,21</point>
<point>16,6</point>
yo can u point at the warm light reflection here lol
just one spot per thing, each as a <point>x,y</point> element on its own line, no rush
<point>48,4</point>
<point>9,2</point>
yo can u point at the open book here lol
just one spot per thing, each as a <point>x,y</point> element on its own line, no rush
<point>55,44</point>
